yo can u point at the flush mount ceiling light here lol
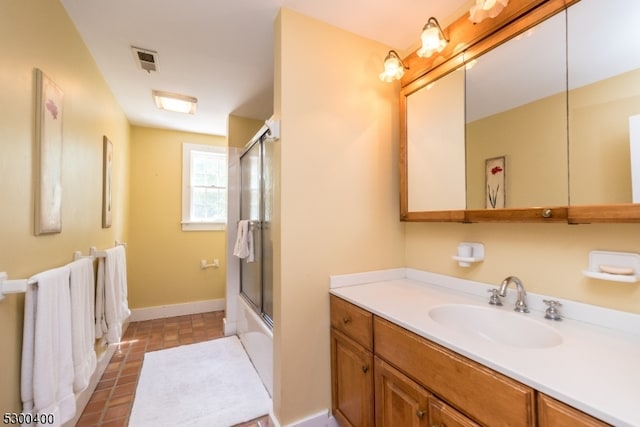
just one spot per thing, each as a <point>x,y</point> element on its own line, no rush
<point>393,67</point>
<point>483,9</point>
<point>433,39</point>
<point>175,102</point>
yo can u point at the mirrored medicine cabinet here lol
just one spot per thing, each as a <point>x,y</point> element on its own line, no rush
<point>537,120</point>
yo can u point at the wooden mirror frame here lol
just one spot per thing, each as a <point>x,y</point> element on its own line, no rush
<point>468,41</point>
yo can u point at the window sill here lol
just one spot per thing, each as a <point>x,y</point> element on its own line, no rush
<point>203,226</point>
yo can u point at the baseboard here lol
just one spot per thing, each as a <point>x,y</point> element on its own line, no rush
<point>162,311</point>
<point>321,419</point>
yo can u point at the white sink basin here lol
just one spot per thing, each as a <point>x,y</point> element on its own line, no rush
<point>493,324</point>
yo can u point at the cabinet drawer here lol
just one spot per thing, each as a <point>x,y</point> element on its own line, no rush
<point>353,321</point>
<point>487,396</point>
<point>552,413</point>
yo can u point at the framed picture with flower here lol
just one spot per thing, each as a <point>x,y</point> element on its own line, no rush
<point>48,155</point>
<point>495,170</point>
<point>107,166</point>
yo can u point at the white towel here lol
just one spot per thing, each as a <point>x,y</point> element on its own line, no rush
<point>47,362</point>
<point>101,322</point>
<point>116,306</point>
<point>244,241</point>
<point>82,322</point>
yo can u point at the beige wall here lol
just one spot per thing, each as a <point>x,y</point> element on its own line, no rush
<point>240,130</point>
<point>337,198</point>
<point>164,261</point>
<point>36,34</point>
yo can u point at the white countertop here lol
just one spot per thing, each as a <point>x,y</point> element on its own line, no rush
<point>596,368</point>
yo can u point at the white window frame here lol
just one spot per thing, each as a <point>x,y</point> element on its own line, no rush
<point>187,223</point>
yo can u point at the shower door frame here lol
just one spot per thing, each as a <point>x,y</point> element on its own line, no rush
<point>258,227</point>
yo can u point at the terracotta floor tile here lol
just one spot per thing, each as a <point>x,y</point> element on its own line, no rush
<point>100,396</point>
<point>105,384</point>
<point>120,422</point>
<point>95,407</point>
<point>89,419</point>
<point>133,370</point>
<point>120,400</point>
<point>127,379</point>
<point>126,389</point>
<point>116,412</point>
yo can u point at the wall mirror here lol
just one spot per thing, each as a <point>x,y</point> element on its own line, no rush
<point>552,99</point>
<point>516,122</point>
<point>604,102</point>
<point>435,145</point>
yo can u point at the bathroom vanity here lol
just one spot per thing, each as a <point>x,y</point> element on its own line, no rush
<point>401,357</point>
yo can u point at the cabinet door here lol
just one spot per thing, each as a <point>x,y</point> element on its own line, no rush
<point>552,413</point>
<point>352,382</point>
<point>399,400</point>
<point>441,415</point>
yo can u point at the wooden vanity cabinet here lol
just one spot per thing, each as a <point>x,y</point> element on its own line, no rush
<point>552,413</point>
<point>351,364</point>
<point>387,376</point>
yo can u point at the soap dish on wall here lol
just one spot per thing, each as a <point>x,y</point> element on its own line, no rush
<point>614,266</point>
<point>475,253</point>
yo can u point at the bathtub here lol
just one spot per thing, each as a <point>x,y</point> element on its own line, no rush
<point>257,339</point>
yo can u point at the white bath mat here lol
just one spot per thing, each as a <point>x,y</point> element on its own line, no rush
<point>208,384</point>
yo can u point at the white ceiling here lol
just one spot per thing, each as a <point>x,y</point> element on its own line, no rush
<point>221,51</point>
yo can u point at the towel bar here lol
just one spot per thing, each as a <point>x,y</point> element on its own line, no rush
<point>15,286</point>
<point>96,253</point>
<point>20,285</point>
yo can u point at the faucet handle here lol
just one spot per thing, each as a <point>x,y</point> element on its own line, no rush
<point>552,310</point>
<point>494,299</point>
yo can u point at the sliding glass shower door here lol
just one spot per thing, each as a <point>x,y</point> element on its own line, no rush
<point>256,195</point>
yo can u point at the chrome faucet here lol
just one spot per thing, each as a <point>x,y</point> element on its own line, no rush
<point>521,305</point>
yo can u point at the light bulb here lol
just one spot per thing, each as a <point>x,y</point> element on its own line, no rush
<point>432,39</point>
<point>488,4</point>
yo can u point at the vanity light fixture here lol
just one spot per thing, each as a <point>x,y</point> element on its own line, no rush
<point>175,102</point>
<point>433,39</point>
<point>483,9</point>
<point>393,67</point>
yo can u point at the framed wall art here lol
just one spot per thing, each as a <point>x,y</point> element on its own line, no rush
<point>107,164</point>
<point>495,183</point>
<point>48,155</point>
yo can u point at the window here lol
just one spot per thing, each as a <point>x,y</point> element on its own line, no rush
<point>204,187</point>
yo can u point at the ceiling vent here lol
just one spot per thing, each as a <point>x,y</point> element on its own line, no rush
<point>146,59</point>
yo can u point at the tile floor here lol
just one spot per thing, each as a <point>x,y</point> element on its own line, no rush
<point>111,402</point>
